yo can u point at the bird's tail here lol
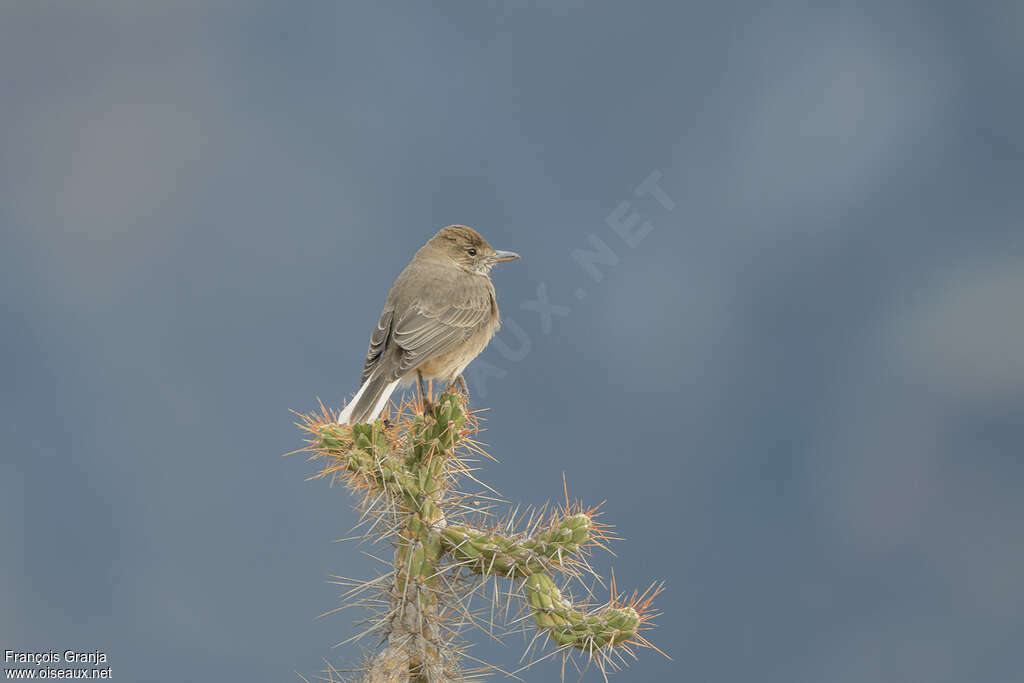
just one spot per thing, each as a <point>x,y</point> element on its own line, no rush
<point>368,402</point>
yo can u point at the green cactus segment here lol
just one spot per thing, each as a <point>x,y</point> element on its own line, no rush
<point>364,450</point>
<point>570,627</point>
<point>496,554</point>
<point>418,553</point>
<point>439,434</point>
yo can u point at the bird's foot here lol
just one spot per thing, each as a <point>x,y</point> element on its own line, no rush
<point>459,384</point>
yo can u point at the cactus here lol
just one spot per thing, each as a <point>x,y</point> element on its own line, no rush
<point>407,471</point>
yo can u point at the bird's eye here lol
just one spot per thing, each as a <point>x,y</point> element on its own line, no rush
<point>471,252</point>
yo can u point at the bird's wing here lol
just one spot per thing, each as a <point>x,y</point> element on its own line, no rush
<point>378,342</point>
<point>426,329</point>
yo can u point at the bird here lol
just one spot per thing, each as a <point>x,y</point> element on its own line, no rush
<point>440,314</point>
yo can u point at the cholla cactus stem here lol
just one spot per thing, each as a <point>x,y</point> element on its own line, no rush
<point>445,551</point>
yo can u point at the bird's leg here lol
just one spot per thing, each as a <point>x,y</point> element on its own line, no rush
<point>428,408</point>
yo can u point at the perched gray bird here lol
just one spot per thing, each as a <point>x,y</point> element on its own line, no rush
<point>440,314</point>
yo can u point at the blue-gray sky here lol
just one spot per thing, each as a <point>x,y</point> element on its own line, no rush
<point>801,392</point>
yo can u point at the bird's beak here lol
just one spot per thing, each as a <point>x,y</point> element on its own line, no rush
<point>500,256</point>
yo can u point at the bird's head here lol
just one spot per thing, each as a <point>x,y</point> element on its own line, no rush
<point>467,249</point>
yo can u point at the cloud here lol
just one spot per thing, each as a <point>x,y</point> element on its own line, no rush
<point>840,110</point>
<point>965,340</point>
<point>99,163</point>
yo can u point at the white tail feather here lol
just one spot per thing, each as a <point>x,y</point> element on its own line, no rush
<point>346,413</point>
